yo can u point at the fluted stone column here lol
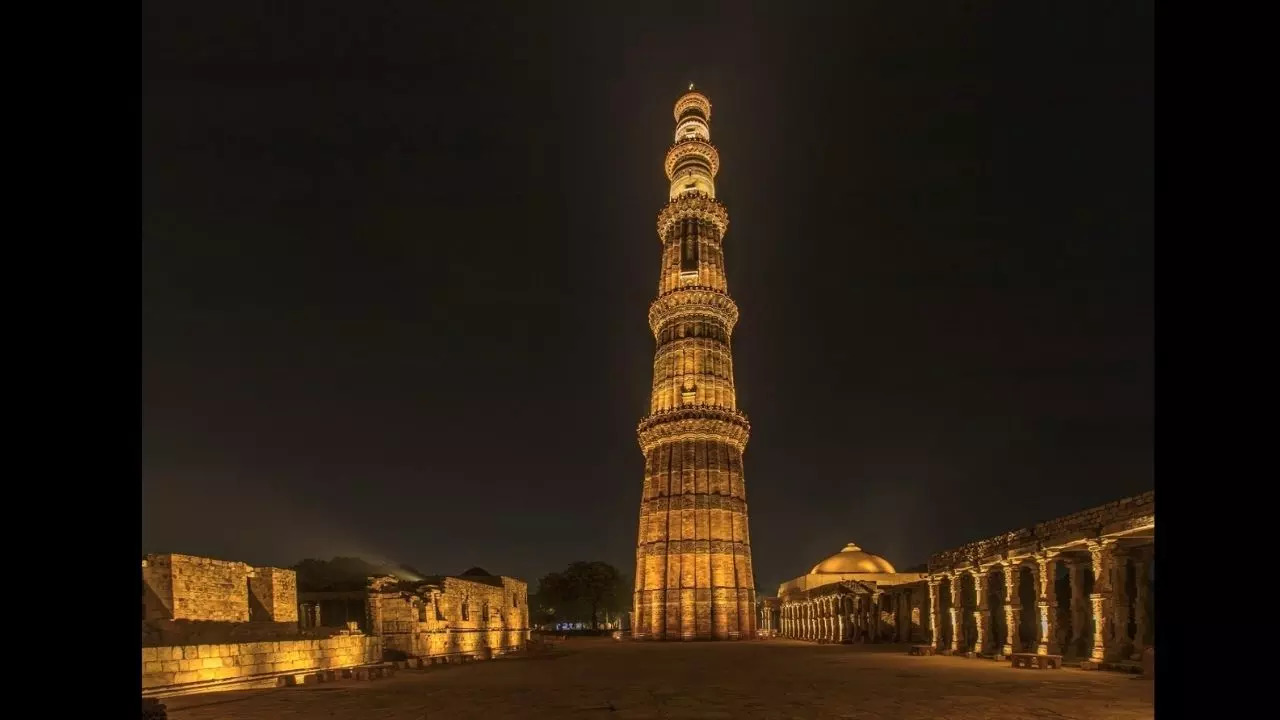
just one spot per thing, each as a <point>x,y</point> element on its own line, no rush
<point>1012,608</point>
<point>935,613</point>
<point>982,616</point>
<point>956,610</point>
<point>1101,599</point>
<point>1047,605</point>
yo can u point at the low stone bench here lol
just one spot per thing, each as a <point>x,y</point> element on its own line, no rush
<point>1036,661</point>
<point>922,650</point>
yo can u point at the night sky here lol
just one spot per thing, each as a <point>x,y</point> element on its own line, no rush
<point>397,260</point>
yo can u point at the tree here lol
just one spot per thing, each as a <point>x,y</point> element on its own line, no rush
<point>581,593</point>
<point>554,598</point>
<point>597,584</point>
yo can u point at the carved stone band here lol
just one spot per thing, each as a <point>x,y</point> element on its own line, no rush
<point>693,98</point>
<point>694,547</point>
<point>694,301</point>
<point>700,422</point>
<point>696,205</point>
<point>685,148</point>
<point>693,501</point>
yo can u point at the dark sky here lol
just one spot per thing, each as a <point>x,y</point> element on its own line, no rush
<point>397,260</point>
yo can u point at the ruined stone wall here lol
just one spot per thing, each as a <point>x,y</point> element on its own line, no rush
<point>157,588</point>
<point>431,623</point>
<point>159,633</point>
<point>1113,516</point>
<point>196,588</point>
<point>274,594</point>
<point>165,667</point>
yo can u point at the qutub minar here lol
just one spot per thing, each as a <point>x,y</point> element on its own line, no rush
<point>693,558</point>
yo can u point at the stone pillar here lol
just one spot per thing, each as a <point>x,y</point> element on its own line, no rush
<point>1100,599</point>
<point>982,616</point>
<point>1140,618</point>
<point>957,621</point>
<point>1048,604</point>
<point>1012,608</point>
<point>935,613</point>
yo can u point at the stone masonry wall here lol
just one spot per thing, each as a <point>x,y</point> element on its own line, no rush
<point>157,588</point>
<point>196,588</point>
<point>1088,522</point>
<point>163,667</point>
<point>274,594</point>
<point>432,624</point>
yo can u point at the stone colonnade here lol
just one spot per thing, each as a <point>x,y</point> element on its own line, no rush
<point>769,620</point>
<point>848,612</point>
<point>1090,600</point>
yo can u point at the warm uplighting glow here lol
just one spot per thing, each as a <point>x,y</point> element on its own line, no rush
<point>694,578</point>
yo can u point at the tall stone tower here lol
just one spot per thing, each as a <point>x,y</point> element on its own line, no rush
<point>693,558</point>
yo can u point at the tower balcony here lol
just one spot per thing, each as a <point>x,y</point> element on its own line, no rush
<point>693,301</point>
<point>702,422</point>
<point>700,205</point>
<point>692,149</point>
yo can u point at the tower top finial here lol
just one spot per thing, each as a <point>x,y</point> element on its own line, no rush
<point>690,86</point>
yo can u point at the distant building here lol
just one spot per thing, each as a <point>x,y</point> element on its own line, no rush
<point>852,596</point>
<point>1081,586</point>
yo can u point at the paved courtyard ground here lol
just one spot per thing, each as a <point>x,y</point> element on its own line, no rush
<point>600,678</point>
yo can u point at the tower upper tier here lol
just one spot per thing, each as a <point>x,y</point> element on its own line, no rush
<point>692,162</point>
